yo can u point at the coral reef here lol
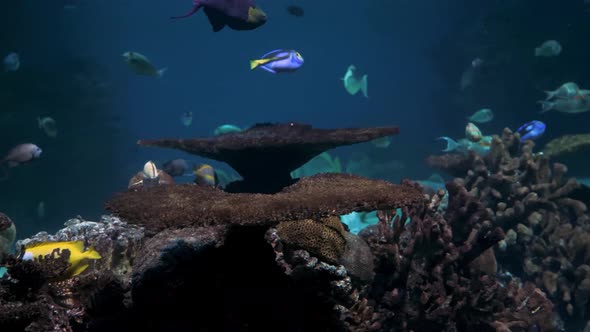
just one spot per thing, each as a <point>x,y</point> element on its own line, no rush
<point>7,235</point>
<point>311,197</point>
<point>29,301</point>
<point>543,213</point>
<point>266,154</point>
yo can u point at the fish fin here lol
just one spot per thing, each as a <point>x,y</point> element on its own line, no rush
<point>364,86</point>
<point>452,145</point>
<point>550,95</point>
<point>254,64</point>
<point>161,72</point>
<point>92,254</point>
<point>546,106</point>
<point>196,7</point>
<point>269,69</point>
<point>79,269</point>
<point>78,245</point>
<point>216,19</point>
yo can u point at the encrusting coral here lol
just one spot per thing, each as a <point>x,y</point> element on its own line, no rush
<point>543,213</point>
<point>266,154</point>
<point>317,196</point>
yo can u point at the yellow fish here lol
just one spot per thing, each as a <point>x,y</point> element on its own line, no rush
<point>78,257</point>
<point>205,175</point>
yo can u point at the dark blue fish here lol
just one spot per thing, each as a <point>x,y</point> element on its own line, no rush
<point>531,130</point>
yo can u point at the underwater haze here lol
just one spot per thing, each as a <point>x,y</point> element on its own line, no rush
<point>413,52</point>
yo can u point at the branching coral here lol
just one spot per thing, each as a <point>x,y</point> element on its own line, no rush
<point>543,213</point>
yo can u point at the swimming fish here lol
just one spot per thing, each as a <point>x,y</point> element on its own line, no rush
<point>565,91</point>
<point>21,154</point>
<point>176,167</point>
<point>236,14</point>
<point>531,130</point>
<point>150,176</point>
<point>472,133</point>
<point>205,175</point>
<point>141,65</point>
<point>482,116</point>
<point>12,62</point>
<point>295,10</point>
<point>353,83</point>
<point>186,118</point>
<point>278,61</point>
<point>48,125</point>
<point>548,48</point>
<point>79,259</point>
<point>464,145</point>
<point>226,129</point>
<point>382,142</point>
<point>575,105</point>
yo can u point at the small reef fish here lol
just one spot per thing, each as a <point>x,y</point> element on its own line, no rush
<point>141,65</point>
<point>477,62</point>
<point>279,61</point>
<point>382,143</point>
<point>549,48</point>
<point>21,154</point>
<point>464,145</point>
<point>353,83</point>
<point>236,14</point>
<point>205,175</point>
<point>565,91</point>
<point>186,118</point>
<point>11,62</point>
<point>531,130</point>
<point>79,259</point>
<point>295,11</point>
<point>150,176</point>
<point>176,167</point>
<point>482,116</point>
<point>473,133</point>
<point>48,125</point>
<point>226,129</point>
<point>575,105</point>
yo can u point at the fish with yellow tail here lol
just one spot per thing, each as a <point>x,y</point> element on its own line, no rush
<point>78,259</point>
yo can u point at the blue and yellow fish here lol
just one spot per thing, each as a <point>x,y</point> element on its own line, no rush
<point>278,61</point>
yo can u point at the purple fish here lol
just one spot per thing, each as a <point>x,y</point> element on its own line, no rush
<point>20,154</point>
<point>236,14</point>
<point>279,61</point>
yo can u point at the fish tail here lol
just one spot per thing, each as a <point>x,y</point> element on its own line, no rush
<point>364,87</point>
<point>196,7</point>
<point>452,145</point>
<point>161,72</point>
<point>254,64</point>
<point>92,254</point>
<point>546,106</point>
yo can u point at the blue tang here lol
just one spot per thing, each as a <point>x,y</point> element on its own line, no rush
<point>531,130</point>
<point>278,61</point>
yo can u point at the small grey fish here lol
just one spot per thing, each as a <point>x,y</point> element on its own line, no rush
<point>141,65</point>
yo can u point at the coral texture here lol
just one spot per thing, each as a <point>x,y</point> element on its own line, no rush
<point>266,154</point>
<point>567,144</point>
<point>544,215</point>
<point>318,196</point>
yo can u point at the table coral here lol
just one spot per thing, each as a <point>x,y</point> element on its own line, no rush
<point>312,197</point>
<point>266,154</point>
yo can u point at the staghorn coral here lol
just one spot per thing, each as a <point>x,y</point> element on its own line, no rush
<point>318,196</point>
<point>544,213</point>
<point>266,154</point>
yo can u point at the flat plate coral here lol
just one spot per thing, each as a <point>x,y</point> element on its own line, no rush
<point>265,154</point>
<point>317,196</point>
